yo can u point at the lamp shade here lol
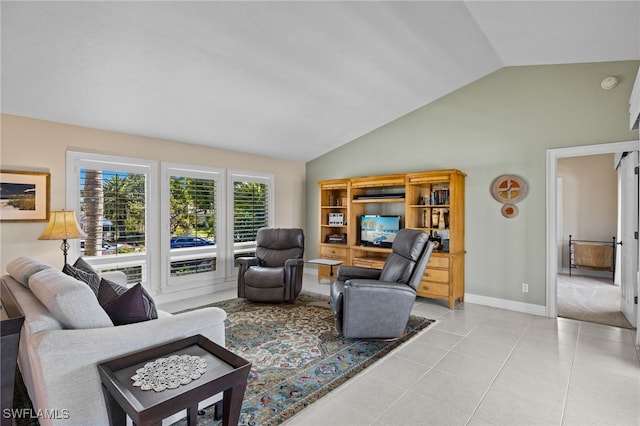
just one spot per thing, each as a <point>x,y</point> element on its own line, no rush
<point>62,226</point>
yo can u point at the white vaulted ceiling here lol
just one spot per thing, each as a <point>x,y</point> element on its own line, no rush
<point>291,80</point>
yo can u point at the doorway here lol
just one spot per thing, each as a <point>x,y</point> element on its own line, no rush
<point>553,245</point>
<point>588,220</point>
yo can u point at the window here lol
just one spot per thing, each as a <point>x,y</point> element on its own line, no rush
<point>252,209</point>
<point>169,226</point>
<point>191,197</point>
<point>111,198</point>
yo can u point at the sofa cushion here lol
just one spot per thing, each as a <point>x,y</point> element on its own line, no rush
<point>37,317</point>
<point>126,308</point>
<point>92,279</point>
<point>70,301</point>
<point>21,268</point>
<point>108,290</point>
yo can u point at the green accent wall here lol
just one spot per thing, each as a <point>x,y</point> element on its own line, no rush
<point>502,123</point>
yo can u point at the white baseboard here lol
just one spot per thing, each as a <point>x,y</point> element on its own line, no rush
<point>587,273</point>
<point>527,308</point>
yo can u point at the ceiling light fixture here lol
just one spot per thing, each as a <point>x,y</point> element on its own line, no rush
<point>609,82</point>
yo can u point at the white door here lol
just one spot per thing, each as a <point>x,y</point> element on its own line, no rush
<point>629,227</point>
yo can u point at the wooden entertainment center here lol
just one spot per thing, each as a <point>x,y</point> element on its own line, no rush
<point>431,200</point>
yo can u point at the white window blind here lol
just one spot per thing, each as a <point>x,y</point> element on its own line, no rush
<point>191,200</point>
<point>252,209</point>
<point>192,222</point>
<point>112,198</point>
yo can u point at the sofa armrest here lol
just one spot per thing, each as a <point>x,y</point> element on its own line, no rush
<point>117,277</point>
<point>66,360</point>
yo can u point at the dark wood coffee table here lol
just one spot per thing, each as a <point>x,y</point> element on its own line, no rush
<point>226,372</point>
<point>11,320</point>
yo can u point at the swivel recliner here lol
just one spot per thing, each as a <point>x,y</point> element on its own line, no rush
<point>376,303</point>
<point>275,273</point>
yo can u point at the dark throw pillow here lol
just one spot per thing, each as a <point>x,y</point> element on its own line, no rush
<point>83,265</point>
<point>127,308</point>
<point>109,290</point>
<point>92,279</point>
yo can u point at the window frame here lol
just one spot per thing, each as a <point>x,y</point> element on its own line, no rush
<point>172,284</point>
<point>76,161</point>
<point>155,274</point>
<point>245,176</point>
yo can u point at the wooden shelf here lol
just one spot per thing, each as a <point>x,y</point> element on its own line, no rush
<point>378,200</point>
<point>430,198</point>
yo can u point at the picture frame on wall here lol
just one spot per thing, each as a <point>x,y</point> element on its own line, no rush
<point>24,196</point>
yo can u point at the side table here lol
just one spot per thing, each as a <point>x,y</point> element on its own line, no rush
<point>226,372</point>
<point>327,262</point>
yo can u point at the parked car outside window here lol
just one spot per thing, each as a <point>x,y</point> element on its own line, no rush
<point>183,241</point>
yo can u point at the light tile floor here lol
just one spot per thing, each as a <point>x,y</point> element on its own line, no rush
<point>482,366</point>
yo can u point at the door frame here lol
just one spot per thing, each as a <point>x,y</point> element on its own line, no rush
<point>552,216</point>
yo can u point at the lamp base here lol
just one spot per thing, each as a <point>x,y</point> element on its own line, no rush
<point>65,249</point>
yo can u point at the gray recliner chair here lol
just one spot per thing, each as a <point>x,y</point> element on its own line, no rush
<point>376,303</point>
<point>275,273</point>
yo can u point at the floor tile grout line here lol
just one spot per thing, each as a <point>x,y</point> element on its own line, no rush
<point>484,395</point>
<point>377,418</point>
<point>408,390</point>
<point>573,360</point>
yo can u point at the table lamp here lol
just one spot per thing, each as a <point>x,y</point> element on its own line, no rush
<point>62,226</point>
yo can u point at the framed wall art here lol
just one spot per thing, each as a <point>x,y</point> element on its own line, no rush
<point>24,196</point>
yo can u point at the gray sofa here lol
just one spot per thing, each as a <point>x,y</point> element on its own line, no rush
<point>66,334</point>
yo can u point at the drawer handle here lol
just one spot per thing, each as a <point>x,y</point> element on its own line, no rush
<point>425,287</point>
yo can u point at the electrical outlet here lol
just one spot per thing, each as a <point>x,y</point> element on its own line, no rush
<point>525,288</point>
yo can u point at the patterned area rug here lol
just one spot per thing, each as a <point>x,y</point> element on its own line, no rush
<point>296,353</point>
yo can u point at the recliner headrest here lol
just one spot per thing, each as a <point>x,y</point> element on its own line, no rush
<point>280,238</point>
<point>410,243</point>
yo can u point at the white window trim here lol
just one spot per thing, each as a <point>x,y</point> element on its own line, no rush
<point>244,176</point>
<point>79,160</point>
<point>170,284</point>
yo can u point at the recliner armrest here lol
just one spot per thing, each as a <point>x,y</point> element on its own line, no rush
<point>245,262</point>
<point>293,262</point>
<point>350,272</point>
<point>364,285</point>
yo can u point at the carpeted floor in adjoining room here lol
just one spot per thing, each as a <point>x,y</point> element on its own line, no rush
<point>590,299</point>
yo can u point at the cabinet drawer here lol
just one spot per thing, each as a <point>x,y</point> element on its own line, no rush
<point>367,263</point>
<point>440,275</point>
<point>434,289</point>
<point>333,252</point>
<point>438,262</point>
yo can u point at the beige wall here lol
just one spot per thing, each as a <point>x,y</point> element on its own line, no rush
<point>36,145</point>
<point>502,123</point>
<point>589,199</point>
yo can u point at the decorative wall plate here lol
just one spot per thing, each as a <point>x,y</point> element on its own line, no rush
<point>509,189</point>
<point>509,210</point>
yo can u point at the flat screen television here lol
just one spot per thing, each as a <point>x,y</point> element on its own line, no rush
<point>378,230</point>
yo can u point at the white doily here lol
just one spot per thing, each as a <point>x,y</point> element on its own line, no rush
<point>169,373</point>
